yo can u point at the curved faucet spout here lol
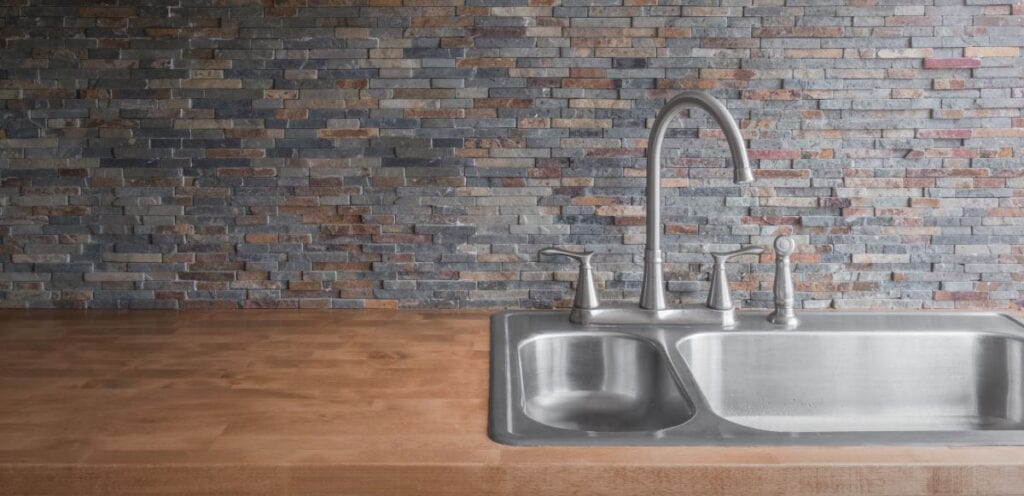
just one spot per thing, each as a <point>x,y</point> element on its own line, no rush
<point>652,296</point>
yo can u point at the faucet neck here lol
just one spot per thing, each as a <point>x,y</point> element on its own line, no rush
<point>652,296</point>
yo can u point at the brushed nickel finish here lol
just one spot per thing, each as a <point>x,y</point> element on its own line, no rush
<point>586,292</point>
<point>718,295</point>
<point>652,296</point>
<point>652,308</point>
<point>785,300</point>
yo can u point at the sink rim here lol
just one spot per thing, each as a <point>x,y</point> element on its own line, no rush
<point>706,428</point>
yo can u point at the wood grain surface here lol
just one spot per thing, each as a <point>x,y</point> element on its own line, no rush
<point>353,403</point>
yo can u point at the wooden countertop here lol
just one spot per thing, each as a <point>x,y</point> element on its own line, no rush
<point>356,402</point>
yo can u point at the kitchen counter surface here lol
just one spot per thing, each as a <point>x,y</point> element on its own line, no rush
<point>357,402</point>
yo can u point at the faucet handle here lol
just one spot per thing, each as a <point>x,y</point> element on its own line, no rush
<point>718,295</point>
<point>582,257</point>
<point>724,256</point>
<point>586,292</point>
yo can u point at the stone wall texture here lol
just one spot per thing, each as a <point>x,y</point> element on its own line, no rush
<point>418,153</point>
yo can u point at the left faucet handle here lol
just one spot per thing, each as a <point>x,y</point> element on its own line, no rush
<point>586,291</point>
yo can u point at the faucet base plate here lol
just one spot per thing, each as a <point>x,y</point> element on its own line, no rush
<point>687,315</point>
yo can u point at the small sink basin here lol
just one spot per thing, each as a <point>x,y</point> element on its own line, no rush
<point>807,381</point>
<point>599,382</point>
<point>914,378</point>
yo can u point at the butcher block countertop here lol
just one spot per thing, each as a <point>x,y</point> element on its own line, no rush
<point>357,403</point>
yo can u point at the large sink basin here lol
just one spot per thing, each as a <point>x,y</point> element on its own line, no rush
<point>860,380</point>
<point>839,378</point>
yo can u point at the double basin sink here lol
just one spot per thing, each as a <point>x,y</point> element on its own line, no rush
<point>838,378</point>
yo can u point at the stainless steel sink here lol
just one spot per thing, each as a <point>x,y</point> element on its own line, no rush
<point>839,378</point>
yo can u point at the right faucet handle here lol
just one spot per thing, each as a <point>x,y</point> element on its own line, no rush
<point>718,294</point>
<point>785,300</point>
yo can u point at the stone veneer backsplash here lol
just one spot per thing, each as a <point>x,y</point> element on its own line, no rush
<point>418,153</point>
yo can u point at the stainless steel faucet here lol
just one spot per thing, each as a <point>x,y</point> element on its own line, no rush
<point>652,307</point>
<point>652,296</point>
